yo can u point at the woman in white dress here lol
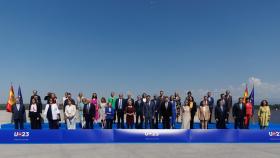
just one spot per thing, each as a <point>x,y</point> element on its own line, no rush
<point>102,114</point>
<point>70,113</point>
<point>185,116</point>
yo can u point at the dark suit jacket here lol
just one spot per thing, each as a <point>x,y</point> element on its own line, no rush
<point>228,102</point>
<point>166,112</point>
<point>219,114</point>
<point>18,114</point>
<point>139,107</point>
<point>194,109</point>
<point>89,113</point>
<point>123,105</point>
<point>149,111</point>
<point>157,105</point>
<point>237,112</point>
<point>211,102</point>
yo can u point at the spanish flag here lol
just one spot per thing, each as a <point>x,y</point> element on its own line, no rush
<point>12,100</point>
<point>246,94</point>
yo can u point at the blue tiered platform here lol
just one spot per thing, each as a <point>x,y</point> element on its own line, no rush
<point>98,135</point>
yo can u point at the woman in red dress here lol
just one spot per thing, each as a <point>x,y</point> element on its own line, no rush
<point>130,112</point>
<point>249,113</point>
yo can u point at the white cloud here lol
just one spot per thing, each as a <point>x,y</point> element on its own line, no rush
<point>255,81</point>
<point>263,90</point>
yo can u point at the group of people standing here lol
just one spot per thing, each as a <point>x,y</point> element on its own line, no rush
<point>145,112</point>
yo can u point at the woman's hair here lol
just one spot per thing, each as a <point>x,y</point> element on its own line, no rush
<point>34,100</point>
<point>264,102</point>
<point>69,102</point>
<point>103,100</point>
<point>94,96</point>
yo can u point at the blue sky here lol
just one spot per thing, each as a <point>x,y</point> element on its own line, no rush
<point>139,45</point>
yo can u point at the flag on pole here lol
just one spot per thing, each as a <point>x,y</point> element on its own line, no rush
<point>246,94</point>
<point>252,97</point>
<point>21,101</point>
<point>20,95</point>
<point>12,100</point>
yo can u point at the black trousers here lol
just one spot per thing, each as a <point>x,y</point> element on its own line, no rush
<point>53,124</point>
<point>239,123</point>
<point>139,116</point>
<point>229,109</point>
<point>115,116</point>
<point>221,124</point>
<point>89,122</point>
<point>120,123</point>
<point>211,110</point>
<point>157,120</point>
<point>109,123</point>
<point>149,120</point>
<point>166,122</point>
<point>192,121</point>
<point>18,123</point>
<point>35,123</point>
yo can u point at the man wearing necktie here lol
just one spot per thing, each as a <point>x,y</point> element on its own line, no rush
<point>239,114</point>
<point>221,115</point>
<point>149,112</point>
<point>89,114</point>
<point>166,110</point>
<point>120,111</point>
<point>18,111</point>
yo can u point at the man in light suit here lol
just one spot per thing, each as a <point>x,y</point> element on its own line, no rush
<point>149,112</point>
<point>120,108</point>
<point>18,111</point>
<point>166,111</point>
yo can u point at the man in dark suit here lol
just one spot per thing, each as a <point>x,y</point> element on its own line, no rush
<point>157,104</point>
<point>239,114</point>
<point>211,104</point>
<point>166,111</point>
<point>139,112</point>
<point>120,108</point>
<point>18,111</point>
<point>228,99</point>
<point>89,114</point>
<point>149,112</point>
<point>161,101</point>
<point>221,116</point>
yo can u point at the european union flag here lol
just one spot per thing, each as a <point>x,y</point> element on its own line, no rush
<point>252,97</point>
<point>20,95</point>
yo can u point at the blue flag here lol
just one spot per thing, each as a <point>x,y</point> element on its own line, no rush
<point>252,97</point>
<point>21,101</point>
<point>20,95</point>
